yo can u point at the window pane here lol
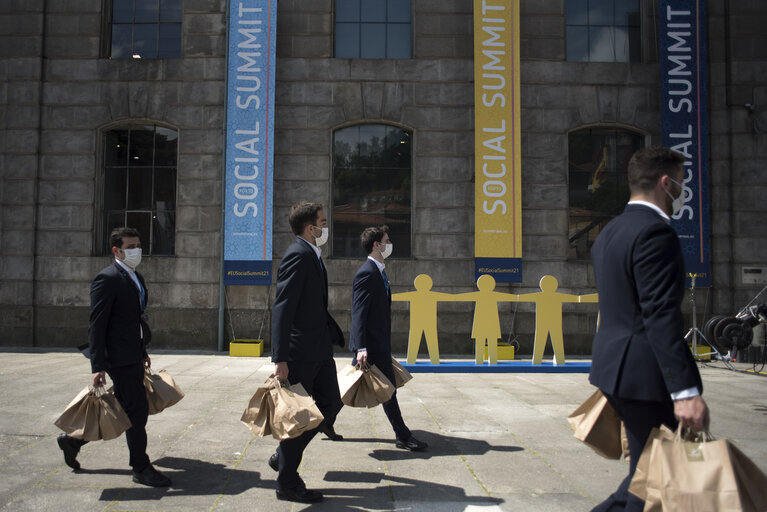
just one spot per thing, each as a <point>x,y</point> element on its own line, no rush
<point>163,232</point>
<point>170,10</point>
<point>635,53</point>
<point>373,41</point>
<point>348,10</point>
<point>115,181</point>
<point>347,41</point>
<point>141,146</point>
<point>373,10</point>
<point>170,41</point>
<point>112,220</point>
<point>165,189</point>
<point>121,41</point>
<point>398,11</point>
<point>122,11</point>
<point>398,41</point>
<point>621,44</point>
<point>147,11</point>
<point>601,12</point>
<point>145,40</point>
<point>139,188</point>
<point>578,44</point>
<point>371,187</point>
<point>143,222</point>
<point>627,12</point>
<point>577,12</point>
<point>165,147</point>
<point>116,148</point>
<point>601,44</point>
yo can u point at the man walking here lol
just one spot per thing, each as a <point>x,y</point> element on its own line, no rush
<point>117,338</point>
<point>370,336</point>
<point>641,361</point>
<point>303,334</point>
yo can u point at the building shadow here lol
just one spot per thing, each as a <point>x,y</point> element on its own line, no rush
<point>190,478</point>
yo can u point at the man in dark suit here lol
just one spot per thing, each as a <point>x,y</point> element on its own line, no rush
<point>641,361</point>
<point>303,334</point>
<point>117,338</point>
<point>370,336</point>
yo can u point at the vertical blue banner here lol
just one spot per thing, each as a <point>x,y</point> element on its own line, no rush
<point>249,142</point>
<point>684,121</point>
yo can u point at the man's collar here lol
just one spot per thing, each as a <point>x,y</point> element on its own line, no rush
<point>380,265</point>
<point>124,266</point>
<point>317,250</point>
<point>654,207</point>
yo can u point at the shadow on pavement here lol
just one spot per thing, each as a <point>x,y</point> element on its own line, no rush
<point>442,446</point>
<point>191,478</point>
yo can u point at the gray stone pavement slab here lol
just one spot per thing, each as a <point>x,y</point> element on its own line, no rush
<point>496,442</point>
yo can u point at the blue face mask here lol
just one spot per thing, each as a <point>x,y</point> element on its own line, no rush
<point>678,201</point>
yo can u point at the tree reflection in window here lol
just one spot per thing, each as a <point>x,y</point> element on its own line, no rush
<point>140,185</point>
<point>598,162</point>
<point>372,174</point>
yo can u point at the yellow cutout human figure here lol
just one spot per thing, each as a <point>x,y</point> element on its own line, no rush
<point>487,325</point>
<point>423,317</point>
<point>548,317</point>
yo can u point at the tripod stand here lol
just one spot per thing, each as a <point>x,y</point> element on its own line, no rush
<point>694,333</point>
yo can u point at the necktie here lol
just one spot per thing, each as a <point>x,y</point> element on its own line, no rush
<point>141,294</point>
<point>386,280</point>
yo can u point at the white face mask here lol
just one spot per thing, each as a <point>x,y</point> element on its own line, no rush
<point>323,238</point>
<point>132,257</point>
<point>388,248</point>
<point>676,202</point>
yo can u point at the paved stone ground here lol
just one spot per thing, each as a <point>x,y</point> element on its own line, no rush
<point>497,442</point>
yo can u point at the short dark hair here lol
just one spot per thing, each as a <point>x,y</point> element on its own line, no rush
<point>301,214</point>
<point>117,235</point>
<point>648,165</point>
<point>372,235</point>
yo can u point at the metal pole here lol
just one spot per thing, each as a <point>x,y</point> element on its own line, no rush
<point>221,289</point>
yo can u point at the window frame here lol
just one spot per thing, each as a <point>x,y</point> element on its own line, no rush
<point>330,211</point>
<point>640,28</point>
<point>643,138</point>
<point>107,34</point>
<point>386,25</point>
<point>101,238</point>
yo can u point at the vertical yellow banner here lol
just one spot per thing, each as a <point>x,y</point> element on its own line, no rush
<point>497,141</point>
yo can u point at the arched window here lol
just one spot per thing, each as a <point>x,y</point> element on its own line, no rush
<point>140,184</point>
<point>597,163</point>
<point>372,176</point>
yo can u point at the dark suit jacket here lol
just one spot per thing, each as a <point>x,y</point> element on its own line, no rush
<point>302,328</point>
<point>371,311</point>
<point>639,351</point>
<point>114,334</point>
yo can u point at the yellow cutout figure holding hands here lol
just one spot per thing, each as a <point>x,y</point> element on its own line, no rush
<point>487,324</point>
<point>548,317</point>
<point>423,317</point>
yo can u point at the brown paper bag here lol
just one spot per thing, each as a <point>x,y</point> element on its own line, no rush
<point>92,415</point>
<point>596,424</point>
<point>364,387</point>
<point>678,474</point>
<point>294,411</point>
<point>113,420</point>
<point>161,390</point>
<point>401,375</point>
<point>257,415</point>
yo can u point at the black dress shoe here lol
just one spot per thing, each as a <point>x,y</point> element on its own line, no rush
<point>71,447</point>
<point>151,477</point>
<point>412,444</point>
<point>274,462</point>
<point>299,494</point>
<point>330,433</point>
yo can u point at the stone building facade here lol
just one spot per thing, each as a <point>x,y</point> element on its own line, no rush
<point>59,94</point>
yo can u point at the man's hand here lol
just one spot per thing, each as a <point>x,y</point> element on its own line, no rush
<point>147,362</point>
<point>362,358</point>
<point>692,413</point>
<point>281,371</point>
<point>99,379</point>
